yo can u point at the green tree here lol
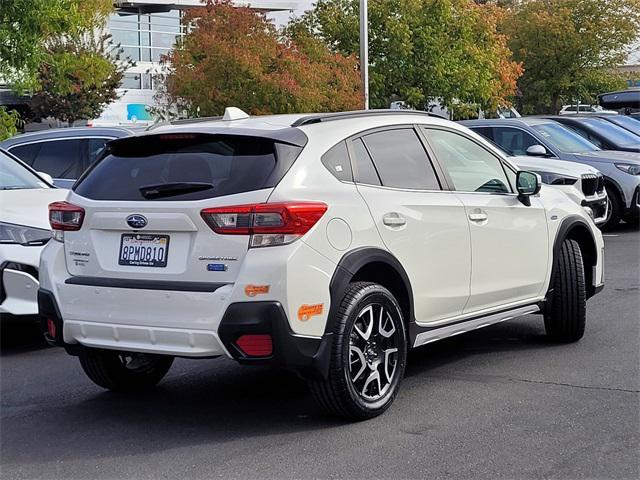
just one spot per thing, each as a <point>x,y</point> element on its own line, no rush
<point>27,27</point>
<point>79,78</point>
<point>234,56</point>
<point>569,48</point>
<point>420,50</point>
<point>8,123</point>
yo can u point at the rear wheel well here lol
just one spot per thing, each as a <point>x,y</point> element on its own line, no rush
<point>384,274</point>
<point>581,234</point>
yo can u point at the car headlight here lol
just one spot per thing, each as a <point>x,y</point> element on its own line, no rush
<point>550,178</point>
<point>12,233</point>
<point>628,168</point>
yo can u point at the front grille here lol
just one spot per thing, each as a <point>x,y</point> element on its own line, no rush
<point>600,188</point>
<point>589,184</point>
<point>599,210</point>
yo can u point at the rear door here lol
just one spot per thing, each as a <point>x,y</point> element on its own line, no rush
<point>421,224</point>
<point>143,205</point>
<point>509,241</point>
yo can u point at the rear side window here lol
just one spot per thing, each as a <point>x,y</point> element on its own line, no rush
<point>94,148</point>
<point>59,158</point>
<point>26,153</point>
<point>186,167</point>
<point>401,160</point>
<point>336,160</point>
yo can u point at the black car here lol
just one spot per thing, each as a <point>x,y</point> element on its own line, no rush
<point>63,153</point>
<point>601,132</point>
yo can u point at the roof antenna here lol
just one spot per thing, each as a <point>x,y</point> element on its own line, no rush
<point>233,113</point>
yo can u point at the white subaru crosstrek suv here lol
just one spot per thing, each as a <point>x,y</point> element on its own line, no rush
<point>328,244</point>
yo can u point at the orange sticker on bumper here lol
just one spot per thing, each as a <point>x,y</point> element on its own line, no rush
<point>253,290</point>
<point>305,312</point>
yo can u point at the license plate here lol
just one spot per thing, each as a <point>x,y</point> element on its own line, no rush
<point>144,250</point>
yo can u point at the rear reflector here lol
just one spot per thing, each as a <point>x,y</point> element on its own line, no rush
<point>267,223</point>
<point>65,216</point>
<point>255,345</point>
<point>51,328</point>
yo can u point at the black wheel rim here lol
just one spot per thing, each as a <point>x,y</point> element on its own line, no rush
<point>374,343</point>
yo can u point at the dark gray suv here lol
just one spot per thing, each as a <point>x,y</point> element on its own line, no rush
<point>546,138</point>
<point>63,153</point>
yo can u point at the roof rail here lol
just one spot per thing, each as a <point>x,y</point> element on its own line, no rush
<point>327,117</point>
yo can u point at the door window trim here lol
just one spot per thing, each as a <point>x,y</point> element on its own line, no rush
<point>437,170</point>
<point>454,131</point>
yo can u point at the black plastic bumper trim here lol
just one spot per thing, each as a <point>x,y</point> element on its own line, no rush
<point>144,284</point>
<point>307,356</point>
<point>48,310</point>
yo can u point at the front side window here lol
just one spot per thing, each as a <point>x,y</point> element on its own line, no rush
<point>401,160</point>
<point>58,158</point>
<point>470,166</point>
<point>513,140</point>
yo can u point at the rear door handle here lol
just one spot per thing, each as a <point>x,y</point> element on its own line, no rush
<point>394,219</point>
<point>477,217</point>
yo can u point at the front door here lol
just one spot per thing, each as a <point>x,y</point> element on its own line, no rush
<point>509,241</point>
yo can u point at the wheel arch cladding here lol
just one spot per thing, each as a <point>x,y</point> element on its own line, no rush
<point>576,228</point>
<point>372,265</point>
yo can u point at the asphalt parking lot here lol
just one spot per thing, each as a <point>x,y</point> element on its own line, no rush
<point>500,402</point>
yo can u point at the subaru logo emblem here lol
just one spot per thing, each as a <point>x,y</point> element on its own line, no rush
<point>136,221</point>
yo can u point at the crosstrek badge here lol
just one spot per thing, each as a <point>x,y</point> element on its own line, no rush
<point>305,312</point>
<point>253,290</point>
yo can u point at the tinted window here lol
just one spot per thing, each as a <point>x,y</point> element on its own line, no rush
<point>364,170</point>
<point>513,140</point>
<point>94,148</point>
<point>337,162</point>
<point>26,153</point>
<point>626,122</point>
<point>191,168</point>
<point>59,158</point>
<point>471,167</point>
<point>401,160</point>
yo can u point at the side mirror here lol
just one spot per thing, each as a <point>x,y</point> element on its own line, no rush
<point>45,176</point>
<point>527,184</point>
<point>536,151</point>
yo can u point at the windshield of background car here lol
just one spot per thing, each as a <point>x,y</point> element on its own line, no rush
<point>611,132</point>
<point>14,176</point>
<point>625,122</point>
<point>564,139</point>
<point>186,167</point>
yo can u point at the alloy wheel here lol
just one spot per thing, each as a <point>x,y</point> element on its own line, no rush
<point>374,341</point>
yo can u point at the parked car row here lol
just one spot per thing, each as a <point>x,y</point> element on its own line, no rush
<point>547,138</point>
<point>561,151</point>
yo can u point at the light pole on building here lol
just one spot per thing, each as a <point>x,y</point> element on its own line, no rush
<point>364,52</point>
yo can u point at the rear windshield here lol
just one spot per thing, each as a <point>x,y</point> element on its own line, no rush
<point>186,167</point>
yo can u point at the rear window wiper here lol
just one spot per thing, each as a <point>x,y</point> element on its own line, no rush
<point>151,192</point>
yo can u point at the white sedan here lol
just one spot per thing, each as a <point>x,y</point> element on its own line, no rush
<point>24,229</point>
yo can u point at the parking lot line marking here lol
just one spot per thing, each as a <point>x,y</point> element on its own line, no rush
<point>610,235</point>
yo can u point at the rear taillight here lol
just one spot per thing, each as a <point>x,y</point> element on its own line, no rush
<point>268,223</point>
<point>65,216</point>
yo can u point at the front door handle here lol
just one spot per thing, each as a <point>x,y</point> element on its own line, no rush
<point>394,219</point>
<point>478,217</point>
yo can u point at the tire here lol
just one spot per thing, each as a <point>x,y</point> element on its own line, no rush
<point>565,317</point>
<point>615,209</point>
<point>123,371</point>
<point>633,220</point>
<point>361,347</point>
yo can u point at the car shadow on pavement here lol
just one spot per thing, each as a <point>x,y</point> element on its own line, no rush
<point>19,335</point>
<point>207,402</point>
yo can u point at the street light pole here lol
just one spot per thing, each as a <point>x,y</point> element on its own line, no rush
<point>364,52</point>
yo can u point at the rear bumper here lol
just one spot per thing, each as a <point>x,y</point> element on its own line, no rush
<point>307,356</point>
